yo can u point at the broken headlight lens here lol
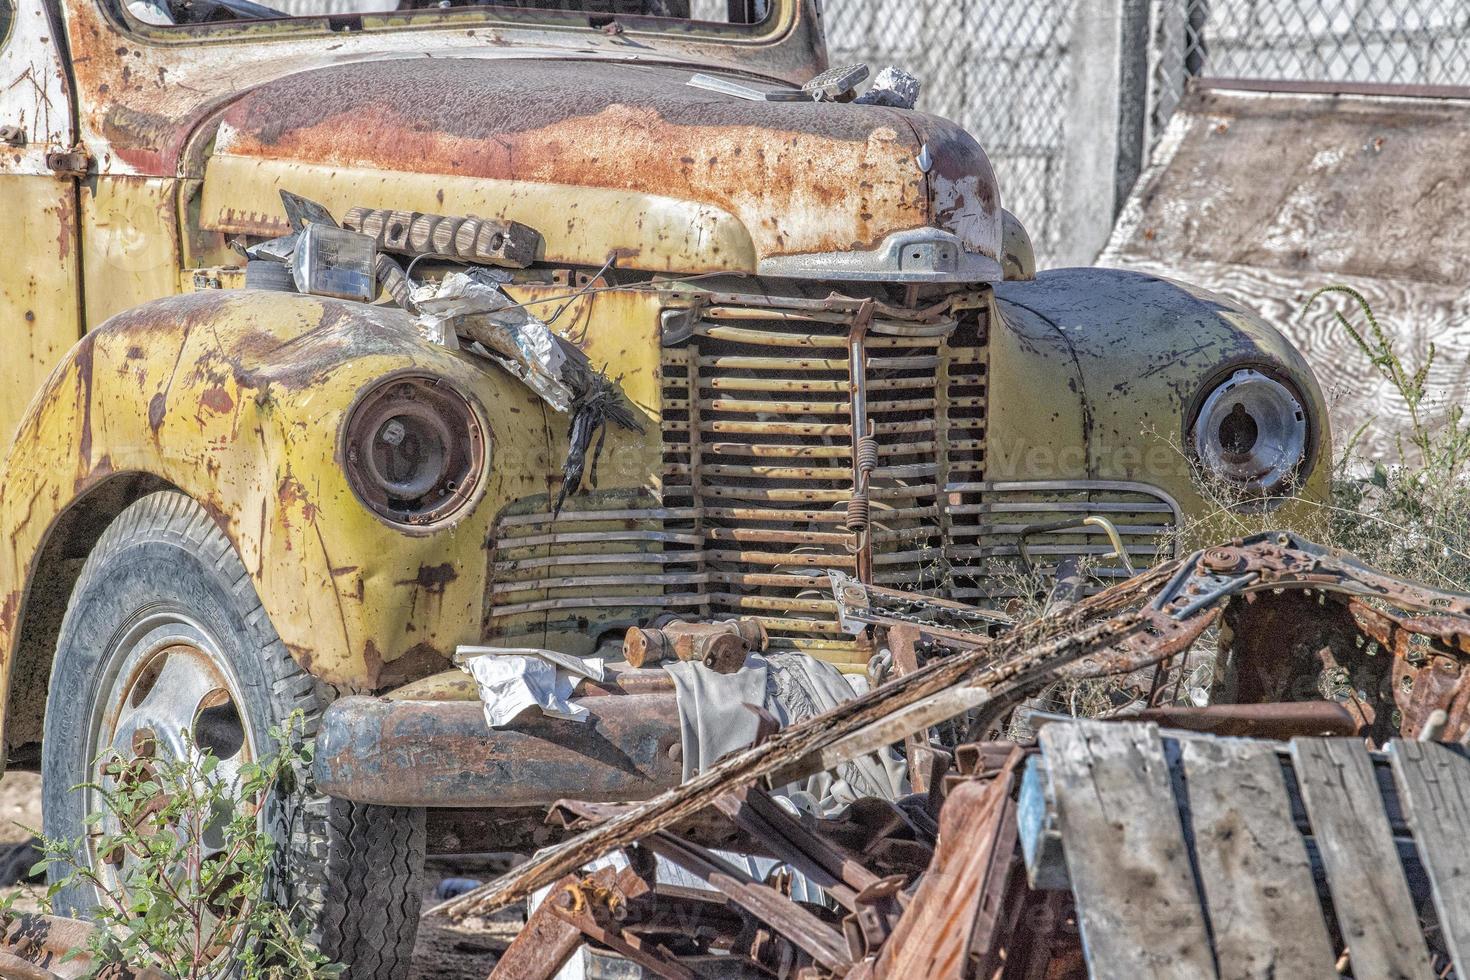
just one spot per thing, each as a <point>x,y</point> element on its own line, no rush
<point>1252,431</point>
<point>415,450</point>
<point>334,262</point>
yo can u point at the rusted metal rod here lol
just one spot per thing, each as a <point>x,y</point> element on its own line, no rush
<point>719,646</point>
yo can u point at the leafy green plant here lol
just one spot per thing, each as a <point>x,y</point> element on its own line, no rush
<point>184,865</point>
<point>1410,515</point>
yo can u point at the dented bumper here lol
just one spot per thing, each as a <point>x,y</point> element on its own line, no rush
<point>442,754</point>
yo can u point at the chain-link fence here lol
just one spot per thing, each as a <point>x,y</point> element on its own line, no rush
<point>1383,42</point>
<point>1007,72</point>
<point>997,69</point>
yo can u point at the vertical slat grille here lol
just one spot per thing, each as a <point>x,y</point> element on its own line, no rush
<point>770,441</point>
<point>757,456</point>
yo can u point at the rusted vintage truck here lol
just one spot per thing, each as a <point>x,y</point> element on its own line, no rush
<point>224,504</point>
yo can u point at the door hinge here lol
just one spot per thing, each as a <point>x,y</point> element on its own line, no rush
<point>13,135</point>
<point>76,162</point>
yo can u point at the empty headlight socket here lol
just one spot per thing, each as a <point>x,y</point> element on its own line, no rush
<point>415,450</point>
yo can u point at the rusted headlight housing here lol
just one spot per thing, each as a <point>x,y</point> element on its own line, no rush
<point>414,450</point>
<point>1252,431</point>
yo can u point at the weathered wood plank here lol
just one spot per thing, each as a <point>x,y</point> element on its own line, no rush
<point>1253,863</point>
<point>1434,782</point>
<point>1137,906</point>
<point>1371,897</point>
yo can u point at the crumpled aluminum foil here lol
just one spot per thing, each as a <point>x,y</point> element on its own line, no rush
<point>472,305</point>
<point>893,87</point>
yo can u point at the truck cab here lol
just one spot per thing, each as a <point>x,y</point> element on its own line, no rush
<point>228,498</point>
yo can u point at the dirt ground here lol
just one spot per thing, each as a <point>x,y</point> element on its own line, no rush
<point>443,952</point>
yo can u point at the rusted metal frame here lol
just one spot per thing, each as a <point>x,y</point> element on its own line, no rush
<point>513,587</point>
<point>595,904</point>
<point>543,946</point>
<point>857,366</point>
<point>943,449</point>
<point>1139,640</point>
<point>829,866</point>
<point>1284,560</point>
<point>832,303</point>
<point>976,861</point>
<point>601,602</point>
<point>1017,658</point>
<point>754,406</point>
<point>792,920</point>
<point>614,558</point>
<point>569,516</point>
<point>878,910</point>
<point>903,641</point>
<point>688,910</point>
<point>855,609</point>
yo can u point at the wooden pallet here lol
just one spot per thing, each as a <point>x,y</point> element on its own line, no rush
<point>1192,856</point>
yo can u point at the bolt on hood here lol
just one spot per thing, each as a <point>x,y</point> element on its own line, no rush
<point>803,185</point>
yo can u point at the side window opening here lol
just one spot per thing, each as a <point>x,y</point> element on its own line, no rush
<point>7,17</point>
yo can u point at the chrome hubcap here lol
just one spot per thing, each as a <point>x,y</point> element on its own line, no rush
<point>163,678</point>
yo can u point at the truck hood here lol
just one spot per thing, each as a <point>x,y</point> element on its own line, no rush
<point>798,189</point>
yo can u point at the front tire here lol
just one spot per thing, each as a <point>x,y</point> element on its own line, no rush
<point>164,631</point>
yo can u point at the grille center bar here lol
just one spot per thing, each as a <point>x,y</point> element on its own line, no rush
<point>864,448</point>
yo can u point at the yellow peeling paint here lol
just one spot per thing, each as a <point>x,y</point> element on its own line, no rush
<point>39,311</point>
<point>236,398</point>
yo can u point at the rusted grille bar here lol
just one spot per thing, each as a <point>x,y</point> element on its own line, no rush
<point>757,454</point>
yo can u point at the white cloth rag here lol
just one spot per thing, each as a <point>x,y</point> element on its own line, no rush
<point>512,679</point>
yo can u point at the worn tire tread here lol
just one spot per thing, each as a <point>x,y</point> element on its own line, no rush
<point>354,871</point>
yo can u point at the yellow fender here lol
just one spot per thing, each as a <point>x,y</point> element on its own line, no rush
<point>236,398</point>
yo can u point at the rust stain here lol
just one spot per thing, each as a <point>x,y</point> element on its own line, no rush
<point>303,655</point>
<point>157,406</point>
<point>432,579</point>
<point>372,659</point>
<point>418,661</point>
<point>609,126</point>
<point>82,365</point>
<point>292,494</point>
<point>66,226</point>
<point>218,400</point>
<point>7,613</point>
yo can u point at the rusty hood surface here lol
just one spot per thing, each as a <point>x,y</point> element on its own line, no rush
<point>772,179</point>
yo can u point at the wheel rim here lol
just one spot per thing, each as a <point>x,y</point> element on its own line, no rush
<point>163,675</point>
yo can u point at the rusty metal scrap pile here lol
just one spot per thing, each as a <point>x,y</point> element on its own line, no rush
<point>1384,656</point>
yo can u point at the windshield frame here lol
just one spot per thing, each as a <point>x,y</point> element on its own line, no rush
<point>778,22</point>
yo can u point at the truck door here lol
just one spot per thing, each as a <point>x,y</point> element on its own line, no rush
<point>40,308</point>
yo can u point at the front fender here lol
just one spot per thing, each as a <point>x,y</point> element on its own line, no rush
<point>1096,373</point>
<point>235,398</point>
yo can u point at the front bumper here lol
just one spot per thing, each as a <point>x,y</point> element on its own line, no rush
<point>441,753</point>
